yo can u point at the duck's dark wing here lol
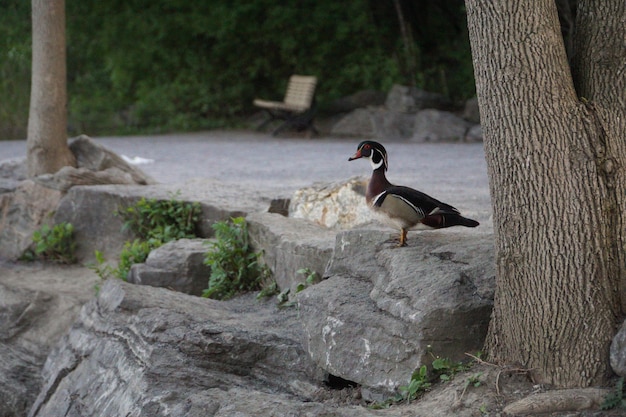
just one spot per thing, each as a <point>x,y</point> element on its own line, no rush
<point>414,207</point>
<point>421,203</point>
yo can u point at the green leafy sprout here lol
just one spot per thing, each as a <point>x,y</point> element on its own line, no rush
<point>163,220</point>
<point>234,266</point>
<point>421,380</point>
<point>154,223</point>
<point>54,244</point>
<point>311,277</point>
<point>419,383</point>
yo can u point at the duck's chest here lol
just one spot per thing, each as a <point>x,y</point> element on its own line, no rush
<point>377,185</point>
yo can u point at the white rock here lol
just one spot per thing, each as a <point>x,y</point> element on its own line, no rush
<point>336,205</point>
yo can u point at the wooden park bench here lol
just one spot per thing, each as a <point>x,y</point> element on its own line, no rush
<point>297,110</point>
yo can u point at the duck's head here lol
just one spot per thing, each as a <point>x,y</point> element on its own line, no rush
<point>374,151</point>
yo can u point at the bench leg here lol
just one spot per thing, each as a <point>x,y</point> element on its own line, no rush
<point>270,118</point>
<point>282,127</point>
<point>299,122</point>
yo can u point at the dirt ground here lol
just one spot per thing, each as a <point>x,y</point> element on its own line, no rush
<point>489,391</point>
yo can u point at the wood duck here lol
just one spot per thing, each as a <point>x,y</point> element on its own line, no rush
<point>403,207</point>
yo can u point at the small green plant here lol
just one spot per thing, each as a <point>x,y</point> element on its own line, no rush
<point>134,252</point>
<point>54,243</point>
<point>283,299</point>
<point>421,380</point>
<point>617,398</point>
<point>474,380</point>
<point>268,290</point>
<point>164,220</point>
<point>419,383</point>
<point>234,266</point>
<point>446,369</point>
<point>154,222</point>
<point>311,277</point>
<point>104,270</point>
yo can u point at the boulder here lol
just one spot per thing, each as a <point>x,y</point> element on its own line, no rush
<point>95,157</point>
<point>618,351</point>
<point>471,111</point>
<point>411,113</point>
<point>12,173</point>
<point>8,185</point>
<point>288,245</point>
<point>23,211</point>
<point>13,169</point>
<point>68,177</point>
<point>177,265</point>
<point>384,311</point>
<point>439,126</point>
<point>373,122</point>
<point>95,165</point>
<point>21,361</point>
<point>474,134</point>
<point>146,351</point>
<point>36,310</point>
<point>396,119</point>
<point>91,209</point>
<point>338,205</point>
<point>356,123</point>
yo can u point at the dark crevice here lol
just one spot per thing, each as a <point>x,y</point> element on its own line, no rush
<point>338,383</point>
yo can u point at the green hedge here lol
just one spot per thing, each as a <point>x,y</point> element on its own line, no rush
<point>155,65</point>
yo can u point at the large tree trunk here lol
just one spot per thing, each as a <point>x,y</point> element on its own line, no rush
<point>47,149</point>
<point>553,179</point>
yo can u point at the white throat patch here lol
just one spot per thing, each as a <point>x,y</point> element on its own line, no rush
<point>374,165</point>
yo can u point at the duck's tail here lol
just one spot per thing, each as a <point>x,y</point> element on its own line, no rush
<point>442,220</point>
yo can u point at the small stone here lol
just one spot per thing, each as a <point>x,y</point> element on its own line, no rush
<point>177,265</point>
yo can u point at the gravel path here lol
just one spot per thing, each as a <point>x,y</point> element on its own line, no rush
<point>454,173</point>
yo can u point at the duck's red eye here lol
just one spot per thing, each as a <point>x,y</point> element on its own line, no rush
<point>366,147</point>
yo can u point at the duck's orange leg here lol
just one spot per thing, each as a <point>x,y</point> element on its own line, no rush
<point>402,237</point>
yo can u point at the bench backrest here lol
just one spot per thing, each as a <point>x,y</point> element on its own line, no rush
<point>300,91</point>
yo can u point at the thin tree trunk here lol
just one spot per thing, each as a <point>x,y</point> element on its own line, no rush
<point>47,149</point>
<point>557,300</point>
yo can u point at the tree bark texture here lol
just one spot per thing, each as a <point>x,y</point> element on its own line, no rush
<point>47,149</point>
<point>556,209</point>
<point>599,70</point>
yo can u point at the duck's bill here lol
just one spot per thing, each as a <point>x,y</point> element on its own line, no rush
<point>357,155</point>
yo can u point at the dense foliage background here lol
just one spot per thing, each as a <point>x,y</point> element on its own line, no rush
<point>155,65</point>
